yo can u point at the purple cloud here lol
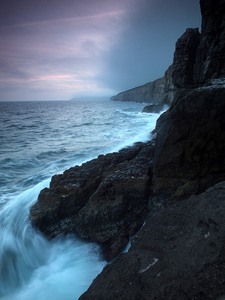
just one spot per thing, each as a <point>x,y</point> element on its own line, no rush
<point>61,49</point>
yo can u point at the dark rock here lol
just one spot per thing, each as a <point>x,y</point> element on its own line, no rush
<point>154,108</point>
<point>178,254</point>
<point>190,143</point>
<point>104,200</point>
<point>210,60</point>
<point>184,58</point>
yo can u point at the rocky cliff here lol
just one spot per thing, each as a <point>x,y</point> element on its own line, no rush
<point>197,60</point>
<point>210,58</point>
<point>177,77</point>
<point>172,187</point>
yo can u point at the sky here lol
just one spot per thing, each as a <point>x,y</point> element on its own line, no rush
<point>63,49</point>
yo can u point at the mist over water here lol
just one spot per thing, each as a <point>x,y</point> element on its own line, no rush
<point>37,140</point>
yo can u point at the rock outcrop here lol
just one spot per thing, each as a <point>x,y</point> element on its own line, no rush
<point>190,143</point>
<point>184,59</point>
<point>104,200</point>
<point>178,254</point>
<point>178,76</point>
<point>210,58</point>
<point>152,92</point>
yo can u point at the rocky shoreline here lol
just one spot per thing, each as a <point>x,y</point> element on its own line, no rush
<point>167,195</point>
<point>104,200</point>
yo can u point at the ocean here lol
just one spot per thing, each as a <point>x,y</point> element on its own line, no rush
<point>37,140</point>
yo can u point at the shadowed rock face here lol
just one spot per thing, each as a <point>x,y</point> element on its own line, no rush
<point>210,59</point>
<point>178,254</point>
<point>190,143</point>
<point>104,200</point>
<point>184,59</point>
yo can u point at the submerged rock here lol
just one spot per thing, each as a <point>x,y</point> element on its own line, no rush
<point>178,254</point>
<point>104,200</point>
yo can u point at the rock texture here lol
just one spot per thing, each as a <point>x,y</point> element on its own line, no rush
<point>190,143</point>
<point>178,254</point>
<point>210,60</point>
<point>104,200</point>
<point>184,59</point>
<point>178,76</point>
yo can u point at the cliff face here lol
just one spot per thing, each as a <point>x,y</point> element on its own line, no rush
<point>210,58</point>
<point>152,92</point>
<point>197,60</point>
<point>190,145</point>
<point>178,76</point>
<point>184,59</point>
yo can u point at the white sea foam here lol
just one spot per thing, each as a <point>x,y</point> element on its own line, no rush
<point>32,267</point>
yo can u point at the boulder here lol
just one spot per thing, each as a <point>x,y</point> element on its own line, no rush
<point>103,200</point>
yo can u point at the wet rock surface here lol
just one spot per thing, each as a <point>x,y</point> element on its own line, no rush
<point>104,200</point>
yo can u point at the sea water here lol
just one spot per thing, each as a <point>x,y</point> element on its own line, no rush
<point>38,140</point>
